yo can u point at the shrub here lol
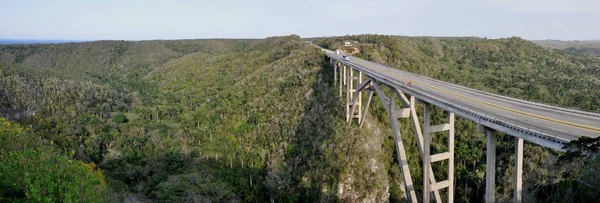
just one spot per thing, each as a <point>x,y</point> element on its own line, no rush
<point>120,118</point>
<point>33,172</point>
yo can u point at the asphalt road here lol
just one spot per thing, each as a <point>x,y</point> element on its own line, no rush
<point>559,122</point>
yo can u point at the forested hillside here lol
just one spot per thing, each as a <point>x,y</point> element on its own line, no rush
<point>260,121</point>
<point>194,120</point>
<point>33,169</point>
<point>512,67</point>
<point>590,48</point>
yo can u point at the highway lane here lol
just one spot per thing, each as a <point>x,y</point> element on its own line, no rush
<point>559,123</point>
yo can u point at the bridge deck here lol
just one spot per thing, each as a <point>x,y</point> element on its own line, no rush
<point>556,123</point>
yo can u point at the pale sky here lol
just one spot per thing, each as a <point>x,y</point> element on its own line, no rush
<point>187,19</point>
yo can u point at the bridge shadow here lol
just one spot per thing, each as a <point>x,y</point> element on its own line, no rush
<point>173,177</point>
<point>315,175</point>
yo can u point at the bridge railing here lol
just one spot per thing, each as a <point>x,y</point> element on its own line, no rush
<point>574,111</point>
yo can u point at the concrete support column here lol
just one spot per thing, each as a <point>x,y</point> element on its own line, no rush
<point>409,188</point>
<point>358,99</point>
<point>490,174</point>
<point>426,152</point>
<point>451,158</point>
<point>388,104</point>
<point>364,113</point>
<point>349,92</point>
<point>341,79</point>
<point>335,68</point>
<point>419,134</point>
<point>345,73</point>
<point>518,170</point>
<point>429,183</point>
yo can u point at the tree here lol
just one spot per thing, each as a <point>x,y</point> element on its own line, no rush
<point>120,118</point>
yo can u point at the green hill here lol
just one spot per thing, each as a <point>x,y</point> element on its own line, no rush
<point>259,120</point>
<point>218,120</point>
<point>590,48</point>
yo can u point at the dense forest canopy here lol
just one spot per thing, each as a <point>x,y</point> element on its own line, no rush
<point>590,47</point>
<point>192,120</point>
<point>259,120</point>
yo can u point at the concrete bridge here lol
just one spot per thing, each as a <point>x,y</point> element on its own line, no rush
<point>545,125</point>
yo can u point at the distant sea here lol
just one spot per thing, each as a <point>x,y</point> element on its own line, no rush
<point>36,41</point>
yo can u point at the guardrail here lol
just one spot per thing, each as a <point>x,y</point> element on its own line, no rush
<point>574,111</point>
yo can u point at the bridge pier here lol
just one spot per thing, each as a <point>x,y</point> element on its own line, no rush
<point>518,170</point>
<point>345,69</point>
<point>353,100</point>
<point>490,181</point>
<point>490,168</point>
<point>357,99</point>
<point>389,105</point>
<point>424,144</point>
<point>428,129</point>
<point>335,70</point>
<point>355,85</point>
<point>419,134</point>
<point>349,92</point>
<point>341,76</point>
<point>356,96</point>
<point>348,80</point>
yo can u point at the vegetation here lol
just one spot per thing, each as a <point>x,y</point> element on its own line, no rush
<point>196,120</point>
<point>32,170</point>
<point>259,120</point>
<point>590,48</point>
